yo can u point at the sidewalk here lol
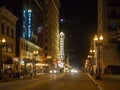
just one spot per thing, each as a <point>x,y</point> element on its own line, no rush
<point>113,76</point>
<point>107,82</point>
<point>103,76</point>
<point>6,79</point>
<point>9,79</point>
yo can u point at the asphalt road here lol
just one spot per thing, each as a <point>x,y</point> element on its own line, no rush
<point>64,81</point>
<point>67,82</point>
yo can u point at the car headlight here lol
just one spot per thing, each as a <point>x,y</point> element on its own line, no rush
<point>55,71</point>
<point>51,71</point>
<point>74,71</point>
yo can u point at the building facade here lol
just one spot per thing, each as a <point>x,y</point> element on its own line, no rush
<point>109,27</point>
<point>30,57</point>
<point>8,32</point>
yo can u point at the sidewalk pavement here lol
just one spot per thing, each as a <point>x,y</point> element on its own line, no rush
<point>114,76</point>
<point>109,77</point>
<point>6,79</point>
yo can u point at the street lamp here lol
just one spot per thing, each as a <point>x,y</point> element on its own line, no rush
<point>35,52</point>
<point>92,52</point>
<point>98,41</point>
<point>2,41</point>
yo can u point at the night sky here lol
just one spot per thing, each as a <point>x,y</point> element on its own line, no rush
<point>80,26</point>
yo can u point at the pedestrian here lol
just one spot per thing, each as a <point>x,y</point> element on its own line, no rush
<point>10,72</point>
<point>31,73</point>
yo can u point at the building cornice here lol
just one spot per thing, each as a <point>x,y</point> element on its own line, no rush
<point>8,14</point>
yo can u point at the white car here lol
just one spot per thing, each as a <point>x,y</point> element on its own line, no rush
<point>53,71</point>
<point>74,71</point>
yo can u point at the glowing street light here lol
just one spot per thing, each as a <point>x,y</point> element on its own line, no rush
<point>2,41</point>
<point>98,41</point>
<point>35,53</point>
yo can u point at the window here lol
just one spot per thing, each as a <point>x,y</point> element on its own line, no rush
<point>113,3</point>
<point>31,50</point>
<point>3,28</point>
<point>26,47</point>
<point>8,34</point>
<point>12,33</point>
<point>45,54</point>
<point>4,49</point>
<point>22,45</point>
<point>46,48</point>
<point>113,13</point>
<point>113,26</point>
<point>9,48</point>
<point>118,46</point>
<point>113,40</point>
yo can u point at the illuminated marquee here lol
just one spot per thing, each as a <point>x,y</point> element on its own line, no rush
<point>62,55</point>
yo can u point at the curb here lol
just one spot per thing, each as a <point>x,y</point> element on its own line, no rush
<point>100,88</point>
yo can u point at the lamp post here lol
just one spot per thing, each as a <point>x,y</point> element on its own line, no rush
<point>98,41</point>
<point>2,41</point>
<point>35,52</point>
<point>92,51</point>
<point>49,61</point>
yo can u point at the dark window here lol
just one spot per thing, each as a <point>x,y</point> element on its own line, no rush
<point>26,47</point>
<point>31,49</point>
<point>12,33</point>
<point>3,28</point>
<point>8,31</point>
<point>45,54</point>
<point>46,47</point>
<point>113,3</point>
<point>113,14</point>
<point>113,40</point>
<point>113,26</point>
<point>12,48</point>
<point>118,46</point>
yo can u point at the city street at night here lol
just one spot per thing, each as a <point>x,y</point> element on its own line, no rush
<point>59,45</point>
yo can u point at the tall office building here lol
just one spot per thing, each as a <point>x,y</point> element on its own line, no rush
<point>109,27</point>
<point>51,22</point>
